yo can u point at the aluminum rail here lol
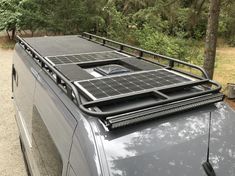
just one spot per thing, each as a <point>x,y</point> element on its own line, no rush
<point>71,89</point>
<point>141,52</point>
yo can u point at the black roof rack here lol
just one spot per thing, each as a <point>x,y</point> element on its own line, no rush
<point>209,90</point>
<point>140,53</point>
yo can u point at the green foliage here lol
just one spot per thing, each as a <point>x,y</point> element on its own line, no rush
<point>227,23</point>
<point>163,26</point>
<point>231,41</point>
<point>8,15</point>
<point>117,23</point>
<point>150,39</point>
<point>29,17</point>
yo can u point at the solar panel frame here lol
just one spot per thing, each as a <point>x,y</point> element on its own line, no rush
<point>85,57</point>
<point>118,85</point>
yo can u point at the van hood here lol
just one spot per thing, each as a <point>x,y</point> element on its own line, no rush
<point>174,145</point>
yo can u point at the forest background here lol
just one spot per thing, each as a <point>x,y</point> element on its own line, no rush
<point>176,28</point>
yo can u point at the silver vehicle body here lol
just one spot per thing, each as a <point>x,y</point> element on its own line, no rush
<point>58,139</point>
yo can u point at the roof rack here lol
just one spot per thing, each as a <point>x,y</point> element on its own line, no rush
<point>140,53</point>
<point>124,116</point>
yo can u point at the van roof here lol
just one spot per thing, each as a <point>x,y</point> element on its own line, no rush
<point>118,83</point>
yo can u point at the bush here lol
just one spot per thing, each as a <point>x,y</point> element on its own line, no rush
<point>186,50</point>
<point>231,41</point>
<point>117,23</point>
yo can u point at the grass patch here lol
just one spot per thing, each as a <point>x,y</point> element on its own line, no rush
<point>6,43</point>
<point>225,66</point>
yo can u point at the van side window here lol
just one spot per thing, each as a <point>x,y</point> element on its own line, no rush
<point>46,154</point>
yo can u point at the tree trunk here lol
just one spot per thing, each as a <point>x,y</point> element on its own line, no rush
<point>32,32</point>
<point>13,32</point>
<point>8,35</point>
<point>211,37</point>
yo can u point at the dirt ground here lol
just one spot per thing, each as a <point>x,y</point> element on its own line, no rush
<point>224,71</point>
<point>225,66</point>
<point>231,103</point>
<point>11,160</point>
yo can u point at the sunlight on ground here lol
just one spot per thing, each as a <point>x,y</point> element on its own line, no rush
<point>225,66</point>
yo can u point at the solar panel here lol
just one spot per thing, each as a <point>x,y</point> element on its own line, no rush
<point>123,84</point>
<point>66,59</point>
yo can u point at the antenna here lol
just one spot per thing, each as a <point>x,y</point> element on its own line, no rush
<point>209,139</point>
<point>207,165</point>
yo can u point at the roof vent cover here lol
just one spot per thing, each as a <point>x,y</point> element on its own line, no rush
<point>111,69</point>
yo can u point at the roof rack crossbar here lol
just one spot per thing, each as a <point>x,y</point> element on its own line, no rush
<point>170,105</point>
<point>171,61</point>
<point>159,111</point>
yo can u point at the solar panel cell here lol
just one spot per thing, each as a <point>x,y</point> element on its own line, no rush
<point>65,59</point>
<point>122,84</point>
<point>72,58</point>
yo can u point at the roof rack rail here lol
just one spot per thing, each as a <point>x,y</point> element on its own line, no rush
<point>59,79</point>
<point>121,47</point>
<point>118,118</point>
